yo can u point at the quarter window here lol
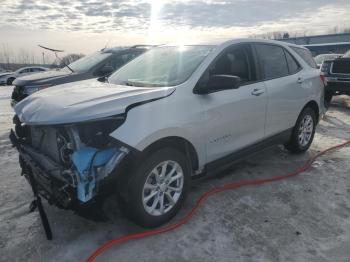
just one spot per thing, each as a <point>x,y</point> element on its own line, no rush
<point>293,66</point>
<point>272,61</point>
<point>306,55</point>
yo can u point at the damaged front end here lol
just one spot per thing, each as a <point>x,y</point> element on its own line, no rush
<point>70,163</point>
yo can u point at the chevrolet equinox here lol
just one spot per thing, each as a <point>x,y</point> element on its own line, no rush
<point>172,113</point>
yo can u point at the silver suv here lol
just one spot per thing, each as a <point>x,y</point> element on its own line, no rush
<point>172,113</point>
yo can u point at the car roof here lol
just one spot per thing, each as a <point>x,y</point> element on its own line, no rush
<point>225,41</point>
<point>119,49</point>
<point>28,67</point>
<point>329,54</point>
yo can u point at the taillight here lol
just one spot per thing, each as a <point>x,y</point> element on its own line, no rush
<point>325,65</point>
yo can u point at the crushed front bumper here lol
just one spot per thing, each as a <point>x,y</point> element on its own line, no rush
<point>59,185</point>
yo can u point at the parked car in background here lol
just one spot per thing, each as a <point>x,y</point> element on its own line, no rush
<point>23,72</point>
<point>3,77</point>
<point>172,113</point>
<point>99,64</point>
<point>320,58</point>
<point>336,73</point>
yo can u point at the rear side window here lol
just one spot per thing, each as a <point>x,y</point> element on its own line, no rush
<point>272,61</point>
<point>306,55</point>
<point>293,65</point>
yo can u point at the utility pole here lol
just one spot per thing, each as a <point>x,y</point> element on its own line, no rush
<point>43,58</point>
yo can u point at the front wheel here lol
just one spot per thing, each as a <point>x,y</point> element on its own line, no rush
<point>158,188</point>
<point>303,132</point>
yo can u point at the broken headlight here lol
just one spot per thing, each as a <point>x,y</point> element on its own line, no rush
<point>96,133</point>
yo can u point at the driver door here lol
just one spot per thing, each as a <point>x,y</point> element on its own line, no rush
<point>235,118</point>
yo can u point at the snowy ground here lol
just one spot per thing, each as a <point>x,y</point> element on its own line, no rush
<point>306,218</point>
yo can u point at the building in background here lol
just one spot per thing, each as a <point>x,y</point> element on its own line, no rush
<point>323,44</point>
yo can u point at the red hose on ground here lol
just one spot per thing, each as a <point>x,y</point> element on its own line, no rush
<point>202,199</point>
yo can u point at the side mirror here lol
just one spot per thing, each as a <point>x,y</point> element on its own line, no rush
<point>105,70</point>
<point>217,83</point>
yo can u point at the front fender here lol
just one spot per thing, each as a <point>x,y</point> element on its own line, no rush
<point>160,119</point>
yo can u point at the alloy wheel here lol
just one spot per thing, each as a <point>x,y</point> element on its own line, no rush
<point>163,188</point>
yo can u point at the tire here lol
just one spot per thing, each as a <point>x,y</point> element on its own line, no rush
<point>327,99</point>
<point>10,80</point>
<point>145,209</point>
<point>297,144</point>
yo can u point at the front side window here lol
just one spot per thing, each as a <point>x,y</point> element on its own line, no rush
<point>236,60</point>
<point>306,55</point>
<point>24,71</point>
<point>161,66</point>
<point>272,61</point>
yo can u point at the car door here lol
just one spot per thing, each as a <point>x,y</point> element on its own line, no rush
<point>235,118</point>
<point>281,73</point>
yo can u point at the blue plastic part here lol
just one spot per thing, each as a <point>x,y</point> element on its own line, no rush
<point>85,161</point>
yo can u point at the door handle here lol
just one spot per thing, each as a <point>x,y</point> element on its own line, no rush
<point>300,80</point>
<point>257,91</point>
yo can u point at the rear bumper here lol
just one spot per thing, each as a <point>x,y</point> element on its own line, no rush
<point>341,87</point>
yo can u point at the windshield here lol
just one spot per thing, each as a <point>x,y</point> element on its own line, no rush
<point>347,54</point>
<point>320,58</point>
<point>161,66</point>
<point>87,62</point>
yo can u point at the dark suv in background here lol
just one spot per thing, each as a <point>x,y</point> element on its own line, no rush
<point>99,64</point>
<point>336,75</point>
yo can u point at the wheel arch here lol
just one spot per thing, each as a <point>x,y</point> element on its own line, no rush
<point>313,105</point>
<point>176,142</point>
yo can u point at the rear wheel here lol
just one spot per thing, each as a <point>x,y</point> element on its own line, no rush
<point>158,188</point>
<point>303,132</point>
<point>10,80</point>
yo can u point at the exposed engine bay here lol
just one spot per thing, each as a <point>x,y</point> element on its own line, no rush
<point>69,161</point>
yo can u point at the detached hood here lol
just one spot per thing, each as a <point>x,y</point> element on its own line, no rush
<point>83,101</point>
<point>42,77</point>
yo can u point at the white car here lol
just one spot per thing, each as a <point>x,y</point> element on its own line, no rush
<point>319,59</point>
<point>23,72</point>
<point>3,77</point>
<point>172,113</point>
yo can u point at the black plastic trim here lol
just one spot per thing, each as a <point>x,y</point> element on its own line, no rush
<point>223,163</point>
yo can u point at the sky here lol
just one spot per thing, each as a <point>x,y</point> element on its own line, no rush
<point>84,26</point>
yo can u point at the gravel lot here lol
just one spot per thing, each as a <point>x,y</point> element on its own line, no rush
<point>306,218</point>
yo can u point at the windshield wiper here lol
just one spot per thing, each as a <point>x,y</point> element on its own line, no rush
<point>142,84</point>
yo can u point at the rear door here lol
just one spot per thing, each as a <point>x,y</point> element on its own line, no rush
<point>281,74</point>
<point>235,118</point>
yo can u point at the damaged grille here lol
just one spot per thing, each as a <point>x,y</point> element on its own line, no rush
<point>51,142</point>
<point>69,157</point>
